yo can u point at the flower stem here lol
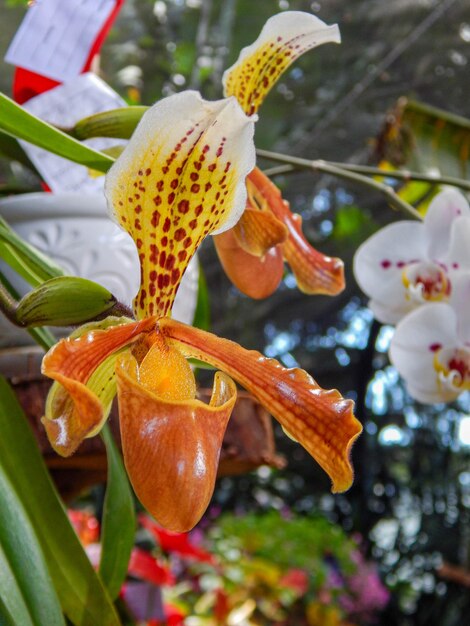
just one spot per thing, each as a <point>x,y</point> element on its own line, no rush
<point>326,167</point>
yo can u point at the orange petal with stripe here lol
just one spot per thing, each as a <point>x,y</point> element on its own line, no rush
<point>315,272</point>
<point>180,178</point>
<point>283,39</point>
<point>257,231</point>
<point>171,446</point>
<point>257,277</point>
<point>321,421</point>
<point>82,367</point>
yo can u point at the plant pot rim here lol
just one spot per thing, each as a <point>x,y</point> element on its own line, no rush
<point>44,205</point>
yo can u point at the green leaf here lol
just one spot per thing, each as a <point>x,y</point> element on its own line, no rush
<point>17,122</point>
<point>42,336</point>
<point>202,314</point>
<point>118,526</point>
<point>10,147</point>
<point>82,595</point>
<point>22,555</point>
<point>30,263</point>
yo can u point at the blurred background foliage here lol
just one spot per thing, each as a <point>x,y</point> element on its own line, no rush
<point>411,497</point>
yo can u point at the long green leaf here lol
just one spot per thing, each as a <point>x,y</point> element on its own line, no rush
<point>24,557</point>
<point>37,263</point>
<point>17,122</point>
<point>42,336</point>
<point>82,595</point>
<point>202,314</point>
<point>13,608</point>
<point>119,523</point>
<point>10,147</point>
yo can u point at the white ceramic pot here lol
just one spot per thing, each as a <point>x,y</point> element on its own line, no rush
<point>75,231</point>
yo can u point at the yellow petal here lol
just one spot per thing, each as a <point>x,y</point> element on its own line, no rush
<point>257,277</point>
<point>320,420</point>
<point>315,272</point>
<point>171,448</point>
<point>180,178</point>
<point>283,39</point>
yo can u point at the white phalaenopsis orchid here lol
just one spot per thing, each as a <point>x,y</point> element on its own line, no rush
<point>409,263</point>
<point>431,346</point>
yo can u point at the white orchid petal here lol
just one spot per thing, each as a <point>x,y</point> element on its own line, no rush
<point>417,339</point>
<point>458,256</point>
<point>443,210</point>
<point>379,264</point>
<point>460,302</point>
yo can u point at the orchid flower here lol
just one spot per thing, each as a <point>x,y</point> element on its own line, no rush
<point>180,178</point>
<point>253,253</point>
<point>409,263</point>
<point>431,347</point>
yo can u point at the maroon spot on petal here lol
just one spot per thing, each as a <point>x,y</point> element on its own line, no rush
<point>434,347</point>
<point>153,275</point>
<point>138,209</point>
<point>159,185</point>
<point>164,241</point>
<point>148,171</point>
<point>157,200</point>
<point>175,274</point>
<point>205,149</point>
<point>166,280</point>
<point>183,206</point>
<point>401,264</point>
<point>160,281</point>
<point>137,224</point>
<point>182,255</point>
<point>170,262</point>
<point>386,264</point>
<point>180,234</point>
<point>153,258</point>
<point>198,210</point>
<point>162,258</point>
<point>166,225</point>
<point>155,219</point>
<point>455,266</point>
<point>174,183</point>
<point>187,242</point>
<point>193,224</point>
<point>208,186</point>
<point>152,289</point>
<point>139,243</point>
<point>212,167</point>
<point>171,197</point>
<point>195,187</point>
<point>194,176</point>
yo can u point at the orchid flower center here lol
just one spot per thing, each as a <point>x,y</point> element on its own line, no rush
<point>425,282</point>
<point>452,366</point>
<point>166,372</point>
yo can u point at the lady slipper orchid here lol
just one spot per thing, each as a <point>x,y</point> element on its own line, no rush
<point>253,253</point>
<point>409,263</point>
<point>431,347</point>
<point>180,178</point>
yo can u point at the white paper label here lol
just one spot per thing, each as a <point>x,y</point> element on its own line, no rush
<point>56,36</point>
<point>64,106</point>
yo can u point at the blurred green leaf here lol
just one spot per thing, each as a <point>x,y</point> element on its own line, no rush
<point>42,336</point>
<point>424,139</point>
<point>17,122</point>
<point>22,556</point>
<point>80,590</point>
<point>34,266</point>
<point>10,147</point>
<point>352,224</point>
<point>184,57</point>
<point>202,314</point>
<point>118,526</point>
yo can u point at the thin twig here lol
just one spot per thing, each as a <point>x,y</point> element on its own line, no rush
<point>406,175</point>
<point>327,168</point>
